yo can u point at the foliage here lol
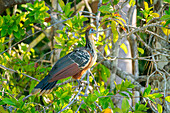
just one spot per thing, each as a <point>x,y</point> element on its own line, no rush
<point>16,34</point>
<point>148,13</point>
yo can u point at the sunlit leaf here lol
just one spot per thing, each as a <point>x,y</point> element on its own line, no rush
<point>155,14</point>
<point>146,5</point>
<point>105,1</point>
<point>107,110</point>
<point>124,47</point>
<point>159,108</point>
<point>123,20</point>
<point>167,98</point>
<point>105,17</point>
<point>106,50</point>
<point>140,50</point>
<point>58,46</point>
<point>114,31</point>
<point>62,5</point>
<point>132,2</point>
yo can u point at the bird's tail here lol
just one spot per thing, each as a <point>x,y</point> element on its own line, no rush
<point>44,86</point>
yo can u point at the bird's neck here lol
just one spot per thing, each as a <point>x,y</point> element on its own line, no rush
<point>90,44</point>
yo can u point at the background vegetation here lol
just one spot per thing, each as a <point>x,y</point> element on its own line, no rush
<point>35,34</point>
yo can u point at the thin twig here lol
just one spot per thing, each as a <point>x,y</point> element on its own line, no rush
<point>98,18</point>
<point>98,106</point>
<point>82,102</point>
<point>5,68</point>
<point>94,81</point>
<point>89,9</point>
<point>9,95</point>
<point>71,101</point>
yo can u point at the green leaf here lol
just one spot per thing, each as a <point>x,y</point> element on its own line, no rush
<point>146,5</point>
<point>36,15</point>
<point>36,4</point>
<point>140,107</point>
<point>64,94</point>
<point>155,14</point>
<point>91,98</point>
<point>159,108</point>
<point>168,1</point>
<point>130,93</point>
<point>147,91</point>
<point>8,101</point>
<point>139,17</point>
<point>17,34</point>
<point>33,82</point>
<point>119,18</point>
<point>140,50</point>
<point>62,5</point>
<point>105,17</point>
<point>67,9</point>
<point>115,2</point>
<point>18,20</point>
<point>106,8</point>
<point>167,98</point>
<point>123,46</point>
<point>1,21</point>
<point>15,27</point>
<point>132,2</point>
<point>58,46</point>
<point>117,110</point>
<point>123,94</point>
<point>114,31</point>
<point>10,30</point>
<point>60,31</point>
<point>125,105</point>
<point>105,1</point>
<point>157,95</point>
<point>3,32</point>
<point>69,23</point>
<point>44,8</point>
<point>167,22</point>
<point>165,17</point>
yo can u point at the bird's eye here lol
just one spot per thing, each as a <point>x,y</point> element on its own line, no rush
<point>91,31</point>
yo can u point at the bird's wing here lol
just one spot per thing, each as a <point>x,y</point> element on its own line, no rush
<point>70,65</point>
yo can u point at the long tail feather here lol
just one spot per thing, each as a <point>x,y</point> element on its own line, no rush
<point>44,86</point>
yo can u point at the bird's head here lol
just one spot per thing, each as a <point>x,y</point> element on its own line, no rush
<point>90,33</point>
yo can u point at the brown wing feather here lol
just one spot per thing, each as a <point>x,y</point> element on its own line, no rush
<point>70,70</point>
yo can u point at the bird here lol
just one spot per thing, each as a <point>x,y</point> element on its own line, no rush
<point>74,64</point>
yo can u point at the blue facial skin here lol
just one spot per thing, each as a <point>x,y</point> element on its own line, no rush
<point>91,31</point>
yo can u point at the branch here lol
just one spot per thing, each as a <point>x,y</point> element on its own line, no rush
<point>122,74</point>
<point>89,9</point>
<point>5,68</point>
<point>72,100</point>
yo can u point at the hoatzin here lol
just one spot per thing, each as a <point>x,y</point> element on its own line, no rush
<point>74,64</point>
